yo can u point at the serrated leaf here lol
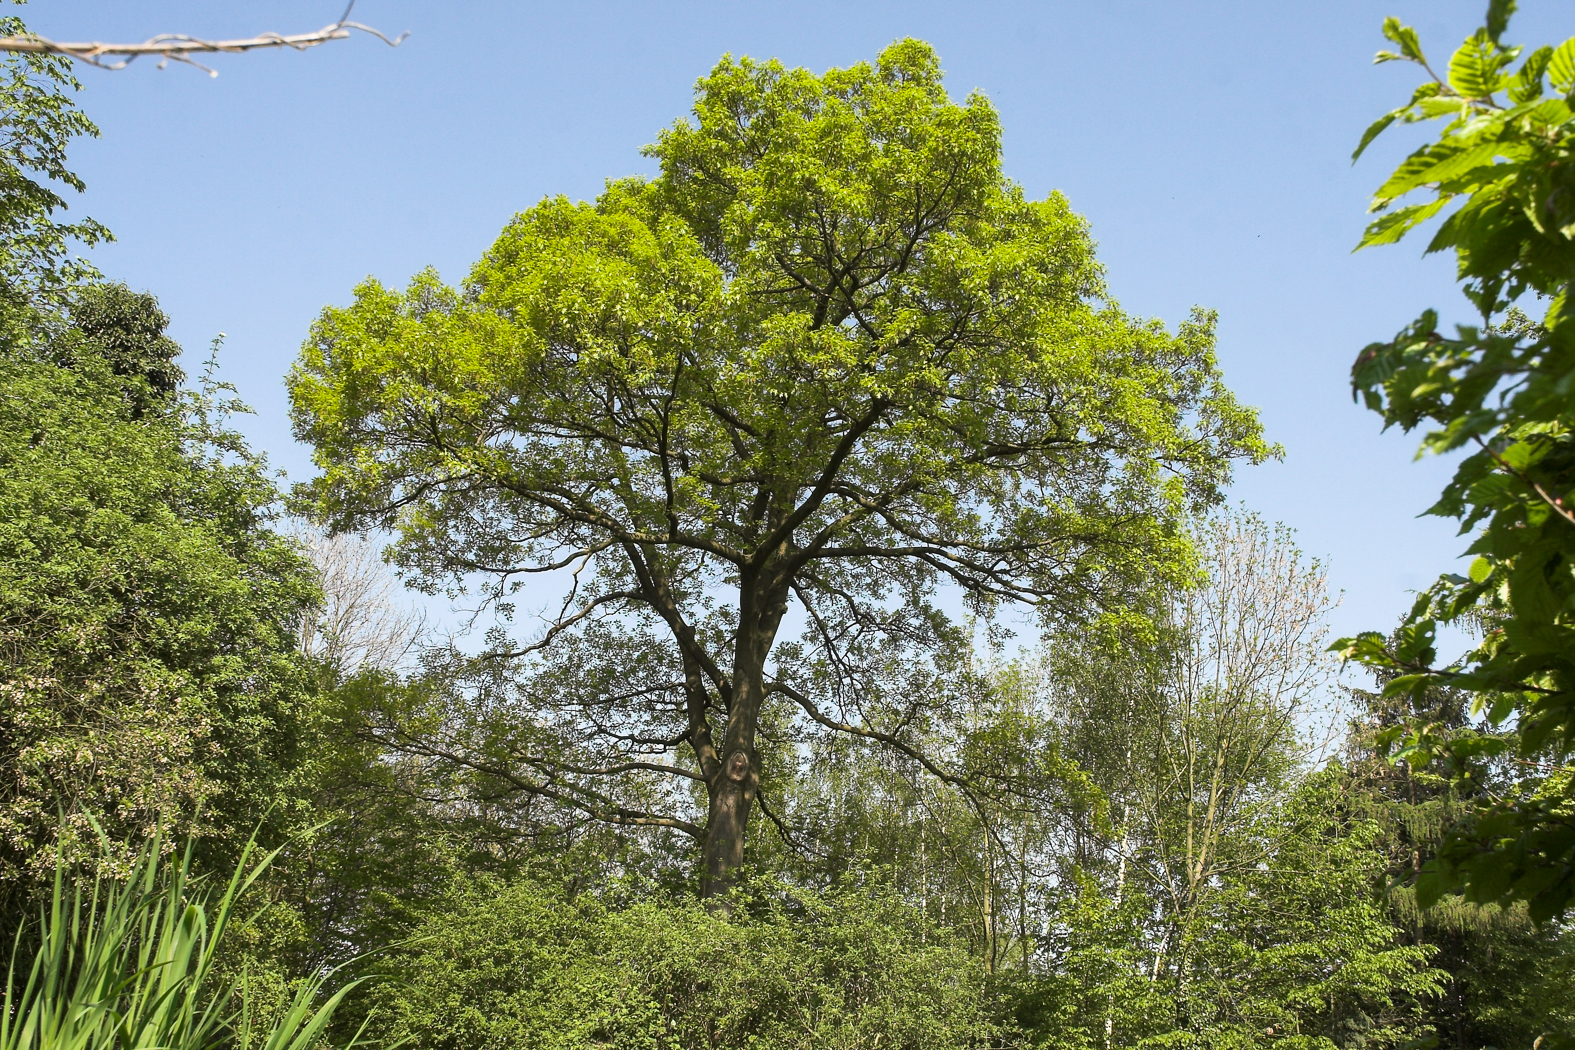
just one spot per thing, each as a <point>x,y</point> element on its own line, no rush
<point>1561,66</point>
<point>1396,224</point>
<point>1373,131</point>
<point>1433,164</point>
<point>1405,37</point>
<point>1498,13</point>
<point>1429,108</point>
<point>1527,83</point>
<point>1549,113</point>
<point>1408,685</point>
<point>1429,888</point>
<point>1471,69</point>
<point>1529,594</point>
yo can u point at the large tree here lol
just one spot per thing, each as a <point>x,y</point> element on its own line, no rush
<point>829,358</point>
<point>148,655</point>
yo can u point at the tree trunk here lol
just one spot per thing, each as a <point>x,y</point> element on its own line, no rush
<point>732,796</point>
<point>731,791</point>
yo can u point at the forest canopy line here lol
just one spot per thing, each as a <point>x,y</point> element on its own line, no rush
<point>787,437</point>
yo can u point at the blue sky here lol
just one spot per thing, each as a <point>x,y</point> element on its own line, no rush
<point>1207,143</point>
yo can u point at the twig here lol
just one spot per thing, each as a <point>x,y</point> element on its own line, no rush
<point>180,47</point>
<point>1552,501</point>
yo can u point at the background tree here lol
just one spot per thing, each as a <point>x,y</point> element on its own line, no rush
<point>148,611</point>
<point>830,358</point>
<point>1241,680</point>
<point>1502,389</point>
<point>361,623</point>
<point>1202,735</point>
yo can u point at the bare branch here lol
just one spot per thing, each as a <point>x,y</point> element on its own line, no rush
<point>594,804</point>
<point>180,47</point>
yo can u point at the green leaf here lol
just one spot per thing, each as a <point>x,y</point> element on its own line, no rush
<point>1434,164</point>
<point>1471,68</point>
<point>1481,569</point>
<point>1498,13</point>
<point>1405,37</point>
<point>1369,648</point>
<point>1548,114</point>
<point>1527,84</point>
<point>1529,593</point>
<point>1561,66</point>
<point>1414,645</point>
<point>1429,887</point>
<point>1430,108</point>
<point>1391,227</point>
<point>1501,708</point>
<point>1375,129</point>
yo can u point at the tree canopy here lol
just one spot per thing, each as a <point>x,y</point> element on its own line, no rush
<point>829,357</point>
<point>38,120</point>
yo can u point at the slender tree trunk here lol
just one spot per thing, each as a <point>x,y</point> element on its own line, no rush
<point>1022,897</point>
<point>1460,1015</point>
<point>924,884</point>
<point>989,905</point>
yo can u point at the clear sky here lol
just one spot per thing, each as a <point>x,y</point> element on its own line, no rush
<point>1208,144</point>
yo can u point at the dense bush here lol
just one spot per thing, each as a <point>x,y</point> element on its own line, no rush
<point>149,614</point>
<point>525,967</point>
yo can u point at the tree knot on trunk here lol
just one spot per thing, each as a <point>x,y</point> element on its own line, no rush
<point>737,766</point>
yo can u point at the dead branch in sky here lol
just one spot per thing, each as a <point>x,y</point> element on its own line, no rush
<point>181,47</point>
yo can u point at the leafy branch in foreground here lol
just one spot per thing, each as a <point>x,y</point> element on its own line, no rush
<point>1503,173</point>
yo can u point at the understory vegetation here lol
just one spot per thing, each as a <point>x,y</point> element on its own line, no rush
<point>907,679</point>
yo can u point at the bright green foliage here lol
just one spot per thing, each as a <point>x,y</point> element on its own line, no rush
<point>1504,167</point>
<point>1509,980</point>
<point>1303,946</point>
<point>37,121</point>
<point>1095,984</point>
<point>148,613</point>
<point>131,965</point>
<point>1296,952</point>
<point>524,968</point>
<point>829,357</point>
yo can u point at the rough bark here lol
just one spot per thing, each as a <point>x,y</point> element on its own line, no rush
<point>735,782</point>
